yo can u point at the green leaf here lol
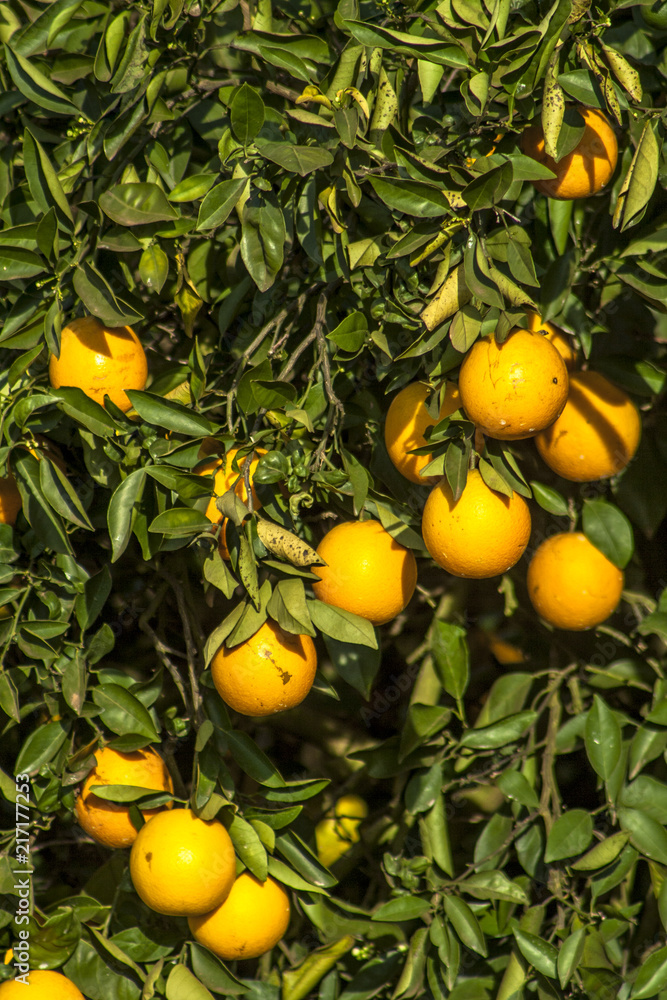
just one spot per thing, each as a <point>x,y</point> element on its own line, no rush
<point>136,204</point>
<point>640,181</point>
<point>183,985</point>
<point>357,665</point>
<point>603,738</point>
<point>652,976</point>
<point>247,113</point>
<point>252,760</point>
<point>537,952</point>
<point>516,786</point>
<point>342,625</point>
<point>121,509</point>
<point>40,747</point>
<point>499,734</point>
<point>451,657</point>
<point>569,955</point>
<point>493,885</point>
<point>465,924</point>
<point>571,834</point>
<point>219,202</point>
<point>249,847</point>
<point>122,712</point>
<point>415,198</point>
<point>295,159</point>
<point>646,834</point>
<point>35,86</point>
<point>549,499</point>
<point>169,415</point>
<point>609,530</point>
<point>15,262</point>
<point>603,854</point>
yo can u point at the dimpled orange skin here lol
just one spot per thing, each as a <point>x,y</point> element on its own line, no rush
<point>368,572</point>
<point>571,584</point>
<point>43,984</point>
<point>584,171</point>
<point>514,389</point>
<point>252,919</point>
<point>181,865</point>
<point>10,500</point>
<point>407,419</point>
<point>480,535</point>
<point>100,360</point>
<point>272,671</point>
<point>597,433</point>
<point>107,822</point>
<point>561,341</point>
<point>226,478</point>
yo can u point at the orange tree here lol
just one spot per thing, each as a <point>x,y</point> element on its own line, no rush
<point>300,209</point>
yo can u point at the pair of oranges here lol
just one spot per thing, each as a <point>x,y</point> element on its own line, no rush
<point>180,864</point>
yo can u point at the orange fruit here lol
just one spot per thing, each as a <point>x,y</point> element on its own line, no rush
<point>107,822</point>
<point>481,534</point>
<point>407,419</point>
<point>249,923</point>
<point>336,834</point>
<point>571,584</point>
<point>272,671</point>
<point>100,360</point>
<point>182,865</point>
<point>587,168</point>
<point>560,340</point>
<point>10,500</point>
<point>227,478</point>
<point>42,985</point>
<point>597,433</point>
<point>368,572</point>
<point>514,389</point>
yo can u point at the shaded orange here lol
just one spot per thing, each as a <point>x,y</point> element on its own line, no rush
<point>406,421</point>
<point>227,478</point>
<point>561,341</point>
<point>584,171</point>
<point>597,433</point>
<point>571,584</point>
<point>107,822</point>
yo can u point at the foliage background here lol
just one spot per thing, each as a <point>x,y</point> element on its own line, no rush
<point>301,208</point>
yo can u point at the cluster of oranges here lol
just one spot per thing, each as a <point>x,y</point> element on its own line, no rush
<point>182,865</point>
<point>585,428</point>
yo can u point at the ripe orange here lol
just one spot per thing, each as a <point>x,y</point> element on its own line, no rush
<point>560,340</point>
<point>587,168</point>
<point>109,823</point>
<point>336,834</point>
<point>42,985</point>
<point>367,571</point>
<point>10,500</point>
<point>272,671</point>
<point>482,534</point>
<point>100,360</point>
<point>227,478</point>
<point>597,433</point>
<point>407,419</point>
<point>571,584</point>
<point>182,865</point>
<point>249,923</point>
<point>514,389</point>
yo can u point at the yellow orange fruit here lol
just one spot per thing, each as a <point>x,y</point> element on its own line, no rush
<point>272,671</point>
<point>182,865</point>
<point>597,433</point>
<point>367,571</point>
<point>514,389</point>
<point>561,341</point>
<point>407,420</point>
<point>481,534</point>
<point>43,984</point>
<point>100,360</point>
<point>10,500</point>
<point>107,822</point>
<point>584,171</point>
<point>571,584</point>
<point>252,919</point>
<point>226,478</point>
<point>336,834</point>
